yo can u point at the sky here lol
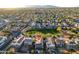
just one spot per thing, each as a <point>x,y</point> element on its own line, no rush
<point>25,3</point>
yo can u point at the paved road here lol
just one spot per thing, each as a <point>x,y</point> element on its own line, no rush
<point>9,43</point>
<point>21,30</point>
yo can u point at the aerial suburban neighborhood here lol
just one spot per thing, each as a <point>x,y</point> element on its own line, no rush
<point>39,30</point>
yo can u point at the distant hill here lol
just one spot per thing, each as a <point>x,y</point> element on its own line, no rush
<point>41,6</point>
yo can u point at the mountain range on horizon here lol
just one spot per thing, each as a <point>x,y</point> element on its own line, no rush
<point>41,6</point>
<point>45,6</point>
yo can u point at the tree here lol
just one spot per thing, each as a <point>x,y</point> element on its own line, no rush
<point>59,29</point>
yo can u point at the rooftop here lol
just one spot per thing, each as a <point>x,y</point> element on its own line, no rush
<point>2,39</point>
<point>2,33</point>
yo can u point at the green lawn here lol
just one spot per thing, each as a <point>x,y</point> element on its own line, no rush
<point>43,32</point>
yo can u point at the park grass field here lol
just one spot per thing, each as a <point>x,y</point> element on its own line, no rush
<point>43,32</point>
